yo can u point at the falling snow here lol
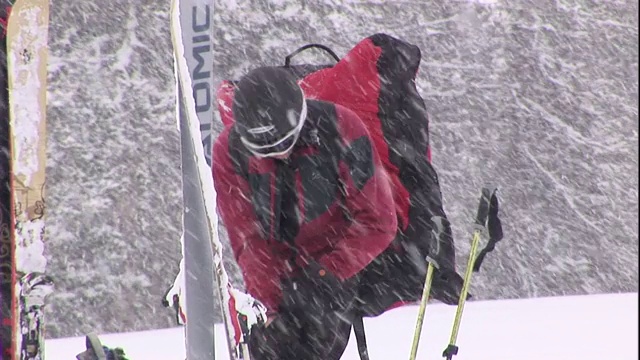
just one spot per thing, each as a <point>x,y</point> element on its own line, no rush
<point>537,98</point>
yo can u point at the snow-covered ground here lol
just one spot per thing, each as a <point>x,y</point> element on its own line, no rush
<point>560,328</point>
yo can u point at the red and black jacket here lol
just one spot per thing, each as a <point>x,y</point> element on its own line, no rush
<point>343,214</point>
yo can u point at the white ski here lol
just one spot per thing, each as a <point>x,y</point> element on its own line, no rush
<point>193,63</point>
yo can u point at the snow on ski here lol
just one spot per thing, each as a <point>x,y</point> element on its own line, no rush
<point>27,31</point>
<point>191,30</point>
<point>196,33</point>
<point>7,260</point>
<point>198,292</point>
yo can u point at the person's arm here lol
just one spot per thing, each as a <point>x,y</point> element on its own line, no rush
<point>260,266</point>
<point>368,200</point>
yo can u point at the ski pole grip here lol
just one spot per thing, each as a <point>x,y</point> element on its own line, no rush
<point>483,207</point>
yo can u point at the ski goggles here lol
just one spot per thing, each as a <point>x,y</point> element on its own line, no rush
<point>282,146</point>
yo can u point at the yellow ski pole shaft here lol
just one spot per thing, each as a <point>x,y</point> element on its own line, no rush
<point>480,225</point>
<point>245,352</point>
<point>452,349</point>
<point>423,305</point>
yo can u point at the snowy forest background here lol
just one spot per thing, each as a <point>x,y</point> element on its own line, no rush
<point>539,97</point>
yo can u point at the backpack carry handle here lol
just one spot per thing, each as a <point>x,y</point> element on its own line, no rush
<point>287,60</point>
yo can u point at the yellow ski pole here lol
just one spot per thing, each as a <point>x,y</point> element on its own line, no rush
<point>452,349</point>
<point>479,226</point>
<point>423,305</point>
<point>440,230</point>
<point>245,352</point>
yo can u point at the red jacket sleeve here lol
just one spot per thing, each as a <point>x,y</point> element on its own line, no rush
<point>259,265</point>
<point>368,200</point>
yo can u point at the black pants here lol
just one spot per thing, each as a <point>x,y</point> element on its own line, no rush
<point>302,337</point>
<point>315,333</point>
